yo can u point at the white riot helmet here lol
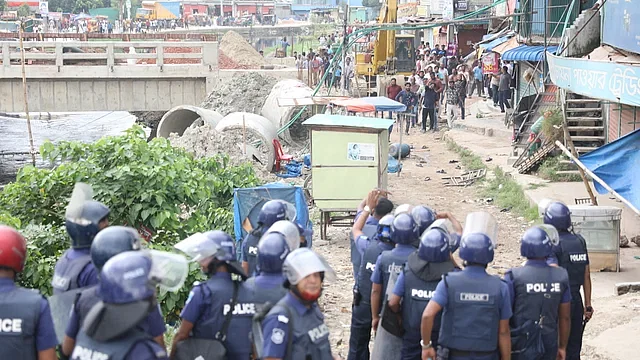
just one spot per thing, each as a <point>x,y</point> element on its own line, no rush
<point>290,232</point>
<point>304,262</point>
<point>404,208</point>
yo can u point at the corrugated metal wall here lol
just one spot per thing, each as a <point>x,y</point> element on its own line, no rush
<point>526,88</point>
<point>623,119</point>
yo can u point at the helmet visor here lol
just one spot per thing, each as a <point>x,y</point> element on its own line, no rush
<point>444,225</point>
<point>290,210</point>
<point>481,222</point>
<point>197,247</point>
<point>168,270</point>
<point>404,208</point>
<point>305,262</point>
<point>552,233</point>
<point>543,205</point>
<point>81,193</point>
<point>290,232</point>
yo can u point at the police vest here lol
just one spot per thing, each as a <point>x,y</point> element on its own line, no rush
<point>252,252</point>
<point>573,257</point>
<point>417,294</point>
<point>262,295</point>
<point>471,319</point>
<point>538,294</point>
<point>219,305</point>
<point>19,317</point>
<point>88,349</point>
<point>65,276</point>
<point>367,267</point>
<point>310,333</point>
<point>369,230</point>
<point>390,262</point>
<point>85,301</point>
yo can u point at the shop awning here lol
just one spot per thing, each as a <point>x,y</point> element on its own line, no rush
<point>493,43</point>
<point>527,53</point>
<point>370,104</point>
<point>512,43</point>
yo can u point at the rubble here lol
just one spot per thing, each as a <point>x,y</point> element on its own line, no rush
<point>245,93</point>
<point>238,53</point>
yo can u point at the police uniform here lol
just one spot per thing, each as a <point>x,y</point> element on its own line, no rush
<point>369,231</point>
<point>572,255</point>
<point>133,345</point>
<point>153,324</point>
<point>266,288</point>
<point>290,317</point>
<point>389,261</point>
<point>74,270</point>
<point>206,307</point>
<point>473,304</point>
<point>537,290</point>
<point>250,250</point>
<point>416,285</point>
<point>361,314</point>
<point>25,322</point>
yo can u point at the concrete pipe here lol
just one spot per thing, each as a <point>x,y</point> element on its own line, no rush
<point>257,128</point>
<point>180,118</point>
<point>279,116</point>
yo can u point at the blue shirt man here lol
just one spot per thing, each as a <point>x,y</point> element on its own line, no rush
<point>379,275</point>
<point>477,73</point>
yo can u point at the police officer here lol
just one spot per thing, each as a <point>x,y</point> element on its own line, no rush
<point>289,230</point>
<point>416,285</point>
<point>305,235</point>
<point>74,269</point>
<point>295,328</point>
<point>127,290</point>
<point>541,299</point>
<point>361,313</point>
<point>108,243</point>
<point>572,255</point>
<point>476,306</point>
<point>210,303</point>
<point>268,285</point>
<point>27,329</point>
<point>404,231</point>
<point>272,211</point>
<point>370,211</point>
<point>424,217</point>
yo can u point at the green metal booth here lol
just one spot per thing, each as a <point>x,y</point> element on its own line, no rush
<point>349,157</point>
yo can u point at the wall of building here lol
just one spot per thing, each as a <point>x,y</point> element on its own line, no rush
<point>622,120</point>
<point>584,35</point>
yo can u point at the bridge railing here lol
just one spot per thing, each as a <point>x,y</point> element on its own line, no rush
<point>110,54</point>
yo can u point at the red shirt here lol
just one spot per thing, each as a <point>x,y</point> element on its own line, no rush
<point>393,91</point>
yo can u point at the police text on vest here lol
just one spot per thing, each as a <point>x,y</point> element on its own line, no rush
<point>543,288</point>
<point>11,325</point>
<point>253,250</point>
<point>370,266</point>
<point>393,268</point>
<point>425,294</point>
<point>240,309</point>
<point>318,332</point>
<point>474,297</point>
<point>578,257</point>
<point>80,353</point>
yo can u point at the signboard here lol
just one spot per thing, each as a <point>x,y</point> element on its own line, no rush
<point>407,10</point>
<point>460,5</point>
<point>361,152</point>
<point>491,63</point>
<point>44,7</point>
<point>597,79</point>
<point>618,27</point>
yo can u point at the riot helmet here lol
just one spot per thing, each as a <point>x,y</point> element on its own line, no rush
<point>384,228</point>
<point>301,263</point>
<point>84,217</point>
<point>13,249</point>
<point>558,215</point>
<point>479,238</point>
<point>304,233</point>
<point>404,208</point>
<point>290,232</point>
<point>272,250</point>
<point>404,229</point>
<point>538,241</point>
<point>423,216</point>
<point>446,226</point>
<point>434,246</point>
<point>113,241</point>
<point>275,210</point>
<point>212,249</point>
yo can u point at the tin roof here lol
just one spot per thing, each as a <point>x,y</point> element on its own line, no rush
<point>349,121</point>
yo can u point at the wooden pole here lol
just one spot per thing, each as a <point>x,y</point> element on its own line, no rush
<point>401,119</point>
<point>32,149</point>
<point>596,178</point>
<point>244,135</point>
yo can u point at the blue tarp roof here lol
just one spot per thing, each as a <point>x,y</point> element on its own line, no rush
<point>527,53</point>
<point>495,42</point>
<point>617,165</point>
<point>383,103</point>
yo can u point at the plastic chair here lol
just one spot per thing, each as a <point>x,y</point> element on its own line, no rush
<point>280,155</point>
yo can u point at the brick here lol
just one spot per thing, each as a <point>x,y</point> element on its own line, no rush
<point>624,288</point>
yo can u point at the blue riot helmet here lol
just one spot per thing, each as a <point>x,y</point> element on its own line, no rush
<point>538,241</point>
<point>215,244</point>
<point>276,210</point>
<point>479,238</point>
<point>304,233</point>
<point>423,216</point>
<point>404,229</point>
<point>272,250</point>
<point>112,241</point>
<point>434,246</point>
<point>384,228</point>
<point>446,226</point>
<point>83,216</point>
<point>290,232</point>
<point>127,290</point>
<point>558,215</point>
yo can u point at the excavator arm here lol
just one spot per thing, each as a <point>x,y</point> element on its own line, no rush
<point>385,41</point>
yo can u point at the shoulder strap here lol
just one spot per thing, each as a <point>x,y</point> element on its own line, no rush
<point>222,334</point>
<point>289,352</point>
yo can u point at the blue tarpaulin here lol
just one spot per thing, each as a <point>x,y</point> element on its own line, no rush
<point>527,53</point>
<point>495,42</point>
<point>618,165</point>
<point>247,203</point>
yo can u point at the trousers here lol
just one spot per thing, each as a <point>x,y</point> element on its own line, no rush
<point>360,332</point>
<point>574,346</point>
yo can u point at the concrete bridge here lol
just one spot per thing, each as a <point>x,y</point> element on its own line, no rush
<point>105,76</point>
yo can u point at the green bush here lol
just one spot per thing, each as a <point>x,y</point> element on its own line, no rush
<point>507,193</point>
<point>148,184</point>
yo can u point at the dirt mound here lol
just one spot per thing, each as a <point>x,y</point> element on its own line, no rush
<point>245,93</point>
<point>235,48</point>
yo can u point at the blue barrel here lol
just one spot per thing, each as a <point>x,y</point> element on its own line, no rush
<point>404,152</point>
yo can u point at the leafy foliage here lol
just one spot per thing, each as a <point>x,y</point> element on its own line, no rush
<point>552,126</point>
<point>148,184</point>
<point>77,6</point>
<point>24,11</point>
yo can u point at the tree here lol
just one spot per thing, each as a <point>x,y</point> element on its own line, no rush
<point>24,11</point>
<point>3,5</point>
<point>371,3</point>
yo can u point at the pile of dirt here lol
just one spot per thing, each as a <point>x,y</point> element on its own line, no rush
<point>245,93</point>
<point>236,51</point>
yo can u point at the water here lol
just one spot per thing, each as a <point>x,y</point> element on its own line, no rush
<point>86,127</point>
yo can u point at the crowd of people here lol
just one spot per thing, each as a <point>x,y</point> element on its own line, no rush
<point>263,304</point>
